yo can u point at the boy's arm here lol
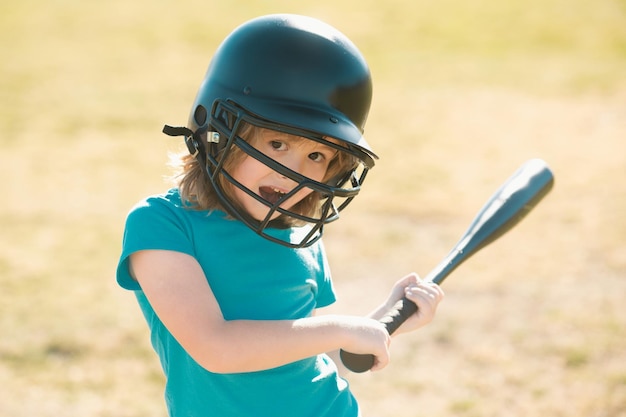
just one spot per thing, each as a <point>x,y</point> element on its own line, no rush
<point>334,354</point>
<point>177,290</point>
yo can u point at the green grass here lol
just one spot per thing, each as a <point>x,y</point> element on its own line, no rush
<point>464,93</point>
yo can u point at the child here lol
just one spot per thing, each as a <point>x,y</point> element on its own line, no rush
<point>228,267</point>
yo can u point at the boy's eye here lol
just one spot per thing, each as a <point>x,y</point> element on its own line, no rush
<point>317,156</point>
<point>277,145</point>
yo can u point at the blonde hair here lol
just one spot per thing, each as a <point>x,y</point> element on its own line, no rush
<point>197,191</point>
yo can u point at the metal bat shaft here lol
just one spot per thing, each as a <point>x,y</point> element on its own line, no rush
<point>508,205</point>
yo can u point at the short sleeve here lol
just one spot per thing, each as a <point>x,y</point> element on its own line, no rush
<point>153,224</point>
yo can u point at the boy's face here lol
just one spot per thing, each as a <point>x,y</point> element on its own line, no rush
<point>305,156</point>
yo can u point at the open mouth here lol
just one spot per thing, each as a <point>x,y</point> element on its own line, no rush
<point>271,194</point>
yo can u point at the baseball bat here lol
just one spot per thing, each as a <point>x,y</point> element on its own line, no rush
<point>515,198</point>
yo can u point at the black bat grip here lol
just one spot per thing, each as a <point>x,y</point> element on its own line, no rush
<point>394,318</point>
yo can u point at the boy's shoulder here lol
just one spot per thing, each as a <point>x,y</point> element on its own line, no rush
<point>169,198</point>
<point>157,207</point>
<point>169,204</point>
<point>166,202</point>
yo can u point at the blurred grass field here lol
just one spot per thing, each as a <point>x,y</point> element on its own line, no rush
<point>465,91</point>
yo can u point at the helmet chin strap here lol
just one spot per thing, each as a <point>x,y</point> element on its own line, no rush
<point>193,140</point>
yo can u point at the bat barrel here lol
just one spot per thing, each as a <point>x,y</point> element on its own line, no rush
<point>508,206</point>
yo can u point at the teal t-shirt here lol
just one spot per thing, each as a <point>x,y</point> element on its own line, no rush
<point>253,279</point>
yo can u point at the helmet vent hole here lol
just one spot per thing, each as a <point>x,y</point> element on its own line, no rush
<point>247,90</point>
<point>200,115</point>
<point>333,119</point>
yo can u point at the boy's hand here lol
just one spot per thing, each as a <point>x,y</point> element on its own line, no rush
<point>366,336</point>
<point>426,295</point>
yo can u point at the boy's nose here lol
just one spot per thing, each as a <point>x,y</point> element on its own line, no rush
<point>294,162</point>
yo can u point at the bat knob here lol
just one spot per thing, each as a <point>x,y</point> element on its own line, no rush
<point>357,363</point>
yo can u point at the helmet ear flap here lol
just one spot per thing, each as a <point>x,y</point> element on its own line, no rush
<point>204,133</point>
<point>200,115</point>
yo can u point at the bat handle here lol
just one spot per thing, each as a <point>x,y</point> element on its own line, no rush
<point>394,318</point>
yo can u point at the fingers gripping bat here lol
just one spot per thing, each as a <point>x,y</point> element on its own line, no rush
<point>506,207</point>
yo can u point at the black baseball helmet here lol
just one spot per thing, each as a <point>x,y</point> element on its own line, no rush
<point>293,74</point>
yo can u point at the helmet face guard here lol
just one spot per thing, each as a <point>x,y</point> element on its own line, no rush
<point>333,195</point>
<point>294,75</point>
